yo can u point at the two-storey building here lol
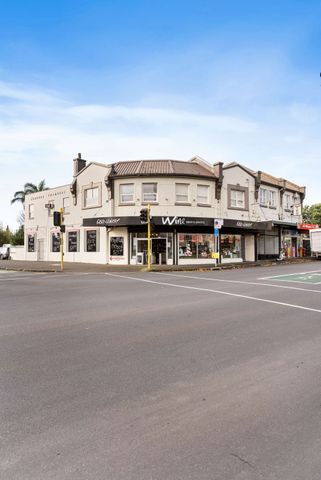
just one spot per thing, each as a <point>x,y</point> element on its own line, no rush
<point>257,214</point>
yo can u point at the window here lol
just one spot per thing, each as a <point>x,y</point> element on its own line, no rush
<point>263,196</point>
<point>66,204</point>
<point>31,243</point>
<point>267,198</point>
<point>126,193</point>
<point>92,241</point>
<point>288,201</point>
<point>73,241</point>
<point>55,242</point>
<point>92,196</point>
<point>181,192</point>
<point>31,211</point>
<point>272,199</point>
<point>195,245</point>
<point>231,246</point>
<point>237,199</point>
<point>202,194</point>
<point>149,192</point>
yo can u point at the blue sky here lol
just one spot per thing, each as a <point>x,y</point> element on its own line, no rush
<point>116,80</point>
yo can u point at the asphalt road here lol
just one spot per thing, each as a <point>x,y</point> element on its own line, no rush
<point>161,376</point>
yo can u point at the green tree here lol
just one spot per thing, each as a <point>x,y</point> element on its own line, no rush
<point>17,238</point>
<point>5,235</point>
<point>29,187</point>
<point>306,214</point>
<point>315,213</point>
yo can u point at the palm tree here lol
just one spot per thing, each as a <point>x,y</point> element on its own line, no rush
<point>29,187</point>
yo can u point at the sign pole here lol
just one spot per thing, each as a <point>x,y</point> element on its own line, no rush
<point>61,242</point>
<point>148,236</point>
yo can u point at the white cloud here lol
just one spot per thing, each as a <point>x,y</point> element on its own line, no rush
<point>40,133</point>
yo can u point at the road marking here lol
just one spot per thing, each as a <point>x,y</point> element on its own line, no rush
<point>288,274</point>
<point>239,281</point>
<point>209,290</point>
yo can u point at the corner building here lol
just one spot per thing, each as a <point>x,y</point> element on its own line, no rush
<point>258,214</point>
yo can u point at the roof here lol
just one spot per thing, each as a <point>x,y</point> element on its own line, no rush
<point>161,167</point>
<point>281,182</point>
<point>235,164</point>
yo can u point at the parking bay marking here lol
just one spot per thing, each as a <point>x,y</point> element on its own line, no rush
<point>209,290</point>
<point>239,281</point>
<point>313,277</point>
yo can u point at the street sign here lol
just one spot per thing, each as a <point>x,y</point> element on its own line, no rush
<point>218,222</point>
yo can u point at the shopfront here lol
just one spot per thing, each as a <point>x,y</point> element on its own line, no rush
<point>179,240</point>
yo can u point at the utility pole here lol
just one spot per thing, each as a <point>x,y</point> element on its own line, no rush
<point>148,237</point>
<point>61,241</point>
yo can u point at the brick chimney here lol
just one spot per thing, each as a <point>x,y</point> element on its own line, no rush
<point>79,164</point>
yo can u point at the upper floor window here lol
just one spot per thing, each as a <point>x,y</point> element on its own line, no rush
<point>267,197</point>
<point>237,198</point>
<point>288,201</point>
<point>126,193</point>
<point>272,198</point>
<point>181,192</point>
<point>149,192</point>
<point>66,204</point>
<point>202,194</point>
<point>92,196</point>
<point>31,211</point>
<point>264,196</point>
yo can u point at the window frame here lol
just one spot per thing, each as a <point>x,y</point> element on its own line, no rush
<point>244,191</point>
<point>127,202</point>
<point>91,186</point>
<point>198,197</point>
<point>186,200</point>
<point>31,211</point>
<point>66,209</point>
<point>97,240</point>
<point>149,193</point>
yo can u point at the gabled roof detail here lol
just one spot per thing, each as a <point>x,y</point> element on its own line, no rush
<point>235,164</point>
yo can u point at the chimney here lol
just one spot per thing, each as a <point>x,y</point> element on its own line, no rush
<point>79,164</point>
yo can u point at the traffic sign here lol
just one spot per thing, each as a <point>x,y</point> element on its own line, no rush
<point>215,232</point>
<point>218,222</point>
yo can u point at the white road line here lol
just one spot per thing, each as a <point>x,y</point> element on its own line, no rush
<point>241,282</point>
<point>209,290</point>
<point>290,274</point>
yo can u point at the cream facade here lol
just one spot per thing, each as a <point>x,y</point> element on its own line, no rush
<point>102,205</point>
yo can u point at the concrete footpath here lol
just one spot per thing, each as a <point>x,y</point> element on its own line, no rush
<point>27,266</point>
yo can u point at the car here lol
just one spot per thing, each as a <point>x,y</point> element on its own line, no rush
<point>5,251</point>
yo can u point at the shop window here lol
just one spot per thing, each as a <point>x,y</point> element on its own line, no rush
<point>231,246</point>
<point>126,193</point>
<point>117,246</point>
<point>149,192</point>
<point>92,240</point>
<point>195,245</point>
<point>55,242</point>
<point>73,241</point>
<point>181,192</point>
<point>66,204</point>
<point>203,194</point>
<point>31,211</point>
<point>31,243</point>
